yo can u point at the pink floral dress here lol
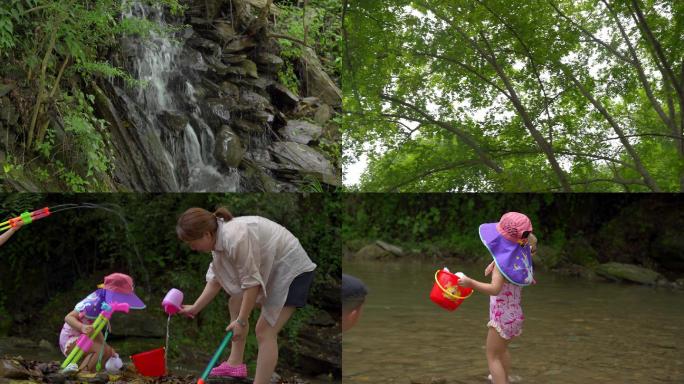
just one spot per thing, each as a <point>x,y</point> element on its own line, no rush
<point>505,312</point>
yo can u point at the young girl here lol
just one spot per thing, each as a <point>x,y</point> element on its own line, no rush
<point>512,245</point>
<point>255,261</point>
<point>117,288</point>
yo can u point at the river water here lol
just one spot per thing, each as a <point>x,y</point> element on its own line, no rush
<point>575,331</point>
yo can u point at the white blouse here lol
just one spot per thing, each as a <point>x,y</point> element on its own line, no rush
<point>251,251</point>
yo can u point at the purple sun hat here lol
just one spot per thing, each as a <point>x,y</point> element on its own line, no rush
<point>513,259</point>
<point>117,288</point>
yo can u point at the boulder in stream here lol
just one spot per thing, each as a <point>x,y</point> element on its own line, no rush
<point>396,250</point>
<point>628,272</point>
<point>374,252</point>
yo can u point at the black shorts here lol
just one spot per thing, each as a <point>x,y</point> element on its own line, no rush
<point>299,290</point>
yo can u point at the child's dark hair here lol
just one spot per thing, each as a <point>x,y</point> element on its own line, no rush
<point>354,293</point>
<point>195,222</point>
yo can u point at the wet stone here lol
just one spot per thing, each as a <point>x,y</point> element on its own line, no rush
<point>250,68</point>
<point>174,121</point>
<point>247,126</point>
<point>253,101</point>
<point>301,131</point>
<point>230,90</point>
<point>240,44</point>
<point>228,148</point>
<point>233,58</point>
<point>305,160</point>
<point>56,378</point>
<point>204,45</point>
<point>282,97</point>
<point>224,31</point>
<point>12,369</point>
<point>269,61</point>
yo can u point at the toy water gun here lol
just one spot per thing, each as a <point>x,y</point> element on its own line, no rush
<point>26,217</point>
<point>86,341</point>
<point>215,358</point>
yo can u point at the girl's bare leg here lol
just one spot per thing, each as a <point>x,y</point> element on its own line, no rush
<point>496,349</point>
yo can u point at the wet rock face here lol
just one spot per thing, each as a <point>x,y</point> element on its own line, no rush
<point>305,160</point>
<point>212,99</point>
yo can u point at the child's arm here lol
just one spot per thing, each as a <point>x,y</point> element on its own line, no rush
<point>532,240</point>
<point>489,268</point>
<point>75,323</point>
<point>210,291</point>
<point>5,236</point>
<point>491,289</point>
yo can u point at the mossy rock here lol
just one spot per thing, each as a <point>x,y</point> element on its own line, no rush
<point>579,251</point>
<point>374,252</point>
<point>628,272</point>
<point>355,244</point>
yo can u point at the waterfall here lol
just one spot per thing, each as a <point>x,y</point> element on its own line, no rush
<point>192,148</point>
<point>166,71</point>
<point>154,61</point>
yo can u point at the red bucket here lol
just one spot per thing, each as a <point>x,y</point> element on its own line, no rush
<point>150,363</point>
<point>446,292</point>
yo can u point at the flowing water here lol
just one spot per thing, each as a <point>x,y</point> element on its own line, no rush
<point>575,331</point>
<point>157,61</point>
<point>166,355</point>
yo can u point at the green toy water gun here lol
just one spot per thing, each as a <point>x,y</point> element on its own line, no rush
<point>26,217</point>
<point>85,342</point>
<point>215,358</point>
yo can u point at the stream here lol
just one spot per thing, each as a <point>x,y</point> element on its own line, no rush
<point>575,331</point>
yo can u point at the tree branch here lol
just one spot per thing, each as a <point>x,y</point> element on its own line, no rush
<point>465,137</point>
<point>648,179</point>
<point>589,34</point>
<point>640,70</point>
<point>432,171</point>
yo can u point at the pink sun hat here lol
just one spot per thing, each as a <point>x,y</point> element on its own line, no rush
<point>512,257</point>
<point>117,288</point>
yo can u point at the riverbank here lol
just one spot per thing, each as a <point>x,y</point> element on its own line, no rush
<point>549,258</point>
<point>19,370</point>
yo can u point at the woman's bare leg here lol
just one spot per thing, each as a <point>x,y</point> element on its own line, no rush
<point>237,349</point>
<point>267,337</point>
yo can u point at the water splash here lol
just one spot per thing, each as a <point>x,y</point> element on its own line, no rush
<point>166,350</point>
<point>116,210</point>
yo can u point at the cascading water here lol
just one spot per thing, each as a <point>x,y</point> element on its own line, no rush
<point>167,90</point>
